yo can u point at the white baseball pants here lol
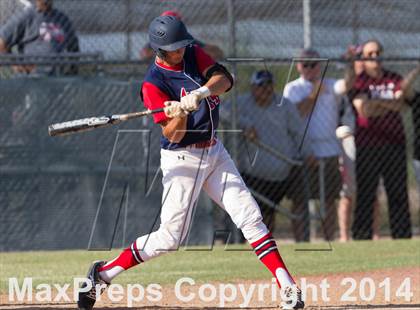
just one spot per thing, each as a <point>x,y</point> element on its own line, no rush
<point>185,172</point>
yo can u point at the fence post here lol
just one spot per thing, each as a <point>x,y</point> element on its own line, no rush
<point>232,53</point>
<point>235,235</point>
<point>232,30</point>
<point>355,22</point>
<point>307,33</point>
<point>128,29</point>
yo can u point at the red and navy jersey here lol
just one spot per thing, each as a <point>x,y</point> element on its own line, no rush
<point>163,83</point>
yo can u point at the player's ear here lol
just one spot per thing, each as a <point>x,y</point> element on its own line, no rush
<point>161,53</point>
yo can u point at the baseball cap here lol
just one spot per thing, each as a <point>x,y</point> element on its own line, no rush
<point>261,77</point>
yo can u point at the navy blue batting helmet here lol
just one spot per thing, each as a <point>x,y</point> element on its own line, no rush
<point>168,33</point>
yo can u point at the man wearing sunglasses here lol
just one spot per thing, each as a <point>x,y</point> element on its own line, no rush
<point>378,98</point>
<point>318,103</point>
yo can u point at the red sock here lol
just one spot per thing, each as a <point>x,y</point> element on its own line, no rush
<point>130,257</point>
<point>268,254</point>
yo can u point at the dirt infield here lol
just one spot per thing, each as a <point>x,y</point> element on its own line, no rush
<point>372,290</point>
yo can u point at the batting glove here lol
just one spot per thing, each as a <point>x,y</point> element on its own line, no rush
<point>191,101</point>
<point>173,109</point>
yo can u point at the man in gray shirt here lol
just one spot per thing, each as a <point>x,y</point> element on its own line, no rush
<point>268,119</point>
<point>42,30</point>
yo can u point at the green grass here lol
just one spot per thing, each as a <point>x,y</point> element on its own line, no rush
<point>217,265</point>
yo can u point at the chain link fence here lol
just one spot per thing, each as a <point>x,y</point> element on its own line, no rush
<point>271,167</point>
<point>256,28</point>
<point>102,189</point>
<point>93,189</point>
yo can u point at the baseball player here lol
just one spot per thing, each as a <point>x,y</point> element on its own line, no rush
<point>187,82</point>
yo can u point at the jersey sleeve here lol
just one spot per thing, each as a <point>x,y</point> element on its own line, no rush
<point>204,60</point>
<point>290,93</point>
<point>13,31</point>
<point>154,98</point>
<point>71,41</point>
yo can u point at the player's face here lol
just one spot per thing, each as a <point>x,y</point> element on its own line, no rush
<point>372,50</point>
<point>263,94</point>
<point>175,57</point>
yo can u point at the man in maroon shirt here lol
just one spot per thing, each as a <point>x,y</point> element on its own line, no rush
<point>380,146</point>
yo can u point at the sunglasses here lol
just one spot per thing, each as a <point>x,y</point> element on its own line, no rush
<point>374,53</point>
<point>310,65</point>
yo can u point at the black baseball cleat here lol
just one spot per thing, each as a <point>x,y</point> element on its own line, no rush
<point>294,300</point>
<point>88,299</point>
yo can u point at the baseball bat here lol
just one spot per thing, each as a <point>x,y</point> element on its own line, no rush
<point>86,124</point>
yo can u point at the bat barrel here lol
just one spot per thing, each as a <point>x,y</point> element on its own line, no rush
<point>86,124</point>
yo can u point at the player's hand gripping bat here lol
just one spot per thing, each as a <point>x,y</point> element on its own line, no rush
<point>86,124</point>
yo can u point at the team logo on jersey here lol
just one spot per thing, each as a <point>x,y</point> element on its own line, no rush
<point>183,92</point>
<point>383,91</point>
<point>213,101</point>
<point>51,32</point>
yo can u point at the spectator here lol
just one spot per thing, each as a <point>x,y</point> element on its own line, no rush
<point>412,97</point>
<point>346,135</point>
<point>42,30</point>
<point>266,118</point>
<point>415,103</point>
<point>380,146</point>
<point>323,121</point>
<point>147,53</point>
